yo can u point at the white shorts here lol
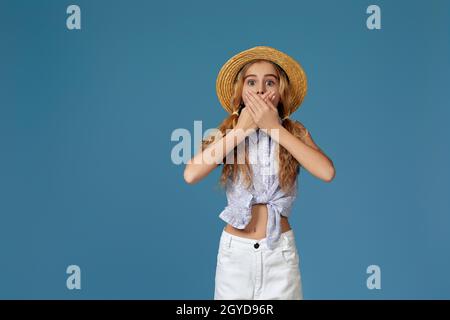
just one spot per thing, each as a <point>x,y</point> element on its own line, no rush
<point>248,272</point>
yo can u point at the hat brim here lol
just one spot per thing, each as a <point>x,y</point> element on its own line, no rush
<point>228,73</point>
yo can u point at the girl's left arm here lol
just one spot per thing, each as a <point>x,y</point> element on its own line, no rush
<point>308,154</point>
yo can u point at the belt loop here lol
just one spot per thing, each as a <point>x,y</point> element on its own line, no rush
<point>285,241</point>
<point>229,242</point>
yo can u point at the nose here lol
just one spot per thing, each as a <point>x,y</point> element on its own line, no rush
<point>260,91</point>
<point>261,88</point>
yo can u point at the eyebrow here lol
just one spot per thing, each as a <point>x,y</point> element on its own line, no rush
<point>266,75</point>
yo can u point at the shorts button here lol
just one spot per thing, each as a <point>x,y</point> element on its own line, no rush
<point>256,245</point>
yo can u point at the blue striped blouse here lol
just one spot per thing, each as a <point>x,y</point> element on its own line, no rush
<point>263,158</point>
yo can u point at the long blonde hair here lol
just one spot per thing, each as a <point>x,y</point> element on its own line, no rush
<point>289,167</point>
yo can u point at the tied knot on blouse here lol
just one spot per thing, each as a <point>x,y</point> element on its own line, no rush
<point>265,189</point>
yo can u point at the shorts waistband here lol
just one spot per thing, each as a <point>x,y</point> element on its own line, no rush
<point>286,240</point>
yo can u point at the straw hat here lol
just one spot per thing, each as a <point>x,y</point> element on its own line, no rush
<point>228,72</point>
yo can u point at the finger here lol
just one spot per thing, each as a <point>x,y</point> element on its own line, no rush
<point>251,100</point>
<point>256,99</point>
<point>270,101</point>
<point>244,99</point>
<point>252,112</point>
<point>266,95</point>
<point>262,104</point>
<point>260,99</point>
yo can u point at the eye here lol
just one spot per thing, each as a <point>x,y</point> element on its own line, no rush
<point>251,82</point>
<point>270,83</point>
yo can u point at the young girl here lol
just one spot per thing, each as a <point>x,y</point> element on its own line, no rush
<point>261,150</point>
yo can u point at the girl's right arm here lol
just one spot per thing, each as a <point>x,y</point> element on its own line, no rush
<point>205,161</point>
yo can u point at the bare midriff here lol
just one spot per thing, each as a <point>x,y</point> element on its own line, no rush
<point>256,228</point>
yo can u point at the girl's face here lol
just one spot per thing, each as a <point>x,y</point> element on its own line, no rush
<point>260,78</point>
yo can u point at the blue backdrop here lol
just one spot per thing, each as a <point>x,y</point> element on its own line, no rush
<point>86,117</point>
